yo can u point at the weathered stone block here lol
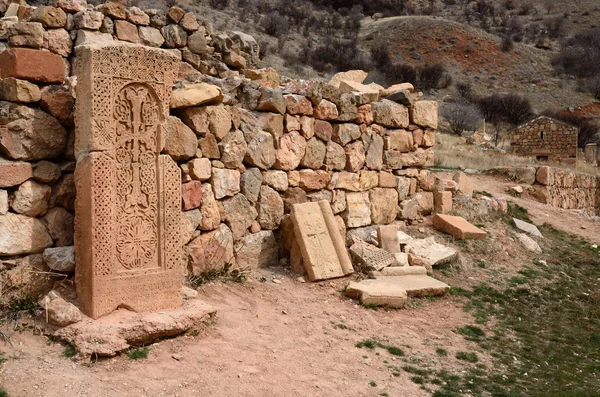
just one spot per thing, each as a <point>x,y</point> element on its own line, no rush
<point>225,182</point>
<point>442,202</point>
<point>321,244</point>
<point>14,173</point>
<point>257,250</point>
<point>32,65</point>
<point>384,205</point>
<point>22,235</point>
<point>457,227</point>
<point>390,114</point>
<point>358,210</point>
<point>424,114</point>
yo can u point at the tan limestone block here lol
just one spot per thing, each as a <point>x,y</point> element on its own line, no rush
<point>321,244</point>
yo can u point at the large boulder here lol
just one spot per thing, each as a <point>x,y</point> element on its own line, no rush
<point>261,149</point>
<point>390,114</point>
<point>239,215</point>
<point>60,259</point>
<point>270,208</point>
<point>61,226</point>
<point>181,142</point>
<point>384,205</point>
<point>212,250</point>
<point>22,235</point>
<point>29,134</point>
<point>16,90</point>
<point>31,198</point>
<point>292,148</point>
<point>196,94</point>
<point>257,250</point>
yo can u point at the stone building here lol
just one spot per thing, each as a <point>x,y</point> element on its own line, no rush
<point>546,139</point>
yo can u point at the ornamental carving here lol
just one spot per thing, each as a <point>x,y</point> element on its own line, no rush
<point>128,248</point>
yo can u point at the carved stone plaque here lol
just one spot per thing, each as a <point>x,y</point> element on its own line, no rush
<point>127,217</point>
<point>323,250</point>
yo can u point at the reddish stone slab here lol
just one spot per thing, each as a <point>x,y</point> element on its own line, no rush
<point>14,173</point>
<point>32,65</point>
<point>457,227</point>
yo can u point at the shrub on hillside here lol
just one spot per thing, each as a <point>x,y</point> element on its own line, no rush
<point>461,116</point>
<point>219,4</point>
<point>580,55</point>
<point>274,24</point>
<point>507,43</point>
<point>511,108</point>
<point>593,86</point>
<point>337,55</point>
<point>370,7</point>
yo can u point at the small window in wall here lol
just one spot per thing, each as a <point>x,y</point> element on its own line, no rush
<point>541,158</point>
<point>542,134</point>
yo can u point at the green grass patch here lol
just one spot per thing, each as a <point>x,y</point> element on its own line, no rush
<point>465,356</point>
<point>138,354</point>
<point>419,380</point>
<point>224,274</point>
<point>372,383</point>
<point>3,392</point>
<point>441,352</point>
<point>472,332</point>
<point>339,325</point>
<point>69,351</point>
<point>544,339</point>
<point>372,344</point>
<point>518,212</point>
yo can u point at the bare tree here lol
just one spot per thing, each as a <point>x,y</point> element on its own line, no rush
<point>461,116</point>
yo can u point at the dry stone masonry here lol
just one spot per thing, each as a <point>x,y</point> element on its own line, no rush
<point>545,138</point>
<point>214,166</point>
<point>128,205</point>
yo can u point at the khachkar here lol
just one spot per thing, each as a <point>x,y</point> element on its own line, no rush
<point>127,218</point>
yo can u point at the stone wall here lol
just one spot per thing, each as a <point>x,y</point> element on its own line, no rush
<point>558,187</point>
<point>249,143</point>
<point>568,189</point>
<point>545,137</point>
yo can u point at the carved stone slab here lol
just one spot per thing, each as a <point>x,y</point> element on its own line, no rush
<point>371,257</point>
<point>127,218</point>
<point>321,244</point>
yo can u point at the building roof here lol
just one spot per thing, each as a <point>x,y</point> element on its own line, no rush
<point>542,117</point>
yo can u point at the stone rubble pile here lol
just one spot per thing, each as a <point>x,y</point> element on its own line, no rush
<point>396,280</point>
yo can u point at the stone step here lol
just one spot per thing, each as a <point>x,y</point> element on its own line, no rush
<point>418,285</point>
<point>403,271</point>
<point>392,291</point>
<point>380,291</point>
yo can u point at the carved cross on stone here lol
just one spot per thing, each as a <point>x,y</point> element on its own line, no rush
<point>127,243</point>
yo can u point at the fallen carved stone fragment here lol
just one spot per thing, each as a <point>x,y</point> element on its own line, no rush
<point>321,244</point>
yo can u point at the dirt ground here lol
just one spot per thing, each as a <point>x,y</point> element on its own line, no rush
<point>275,335</point>
<point>270,339</point>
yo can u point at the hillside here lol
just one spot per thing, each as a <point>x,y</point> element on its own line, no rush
<point>472,55</point>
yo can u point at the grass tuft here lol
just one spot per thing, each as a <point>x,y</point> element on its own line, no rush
<point>472,332</point>
<point>470,357</point>
<point>137,354</point>
<point>70,351</point>
<point>441,352</point>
